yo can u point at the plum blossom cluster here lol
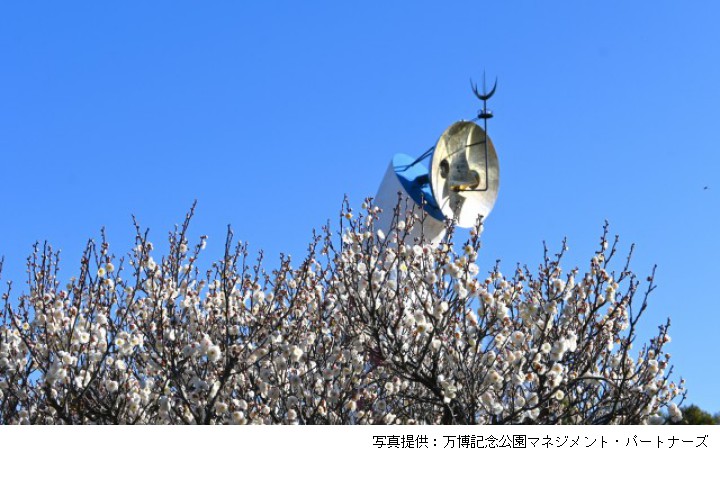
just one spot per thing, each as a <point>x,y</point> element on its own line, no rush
<point>370,327</point>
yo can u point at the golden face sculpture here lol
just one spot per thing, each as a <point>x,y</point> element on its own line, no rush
<point>464,173</point>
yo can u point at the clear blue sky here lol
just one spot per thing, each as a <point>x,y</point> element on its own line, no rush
<point>268,113</point>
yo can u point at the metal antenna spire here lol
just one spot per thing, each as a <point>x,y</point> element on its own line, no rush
<point>484,114</point>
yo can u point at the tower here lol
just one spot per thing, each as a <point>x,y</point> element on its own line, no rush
<point>457,179</point>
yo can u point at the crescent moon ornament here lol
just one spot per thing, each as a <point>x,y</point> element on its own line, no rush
<point>483,96</point>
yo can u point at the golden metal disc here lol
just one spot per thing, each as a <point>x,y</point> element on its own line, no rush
<point>464,180</point>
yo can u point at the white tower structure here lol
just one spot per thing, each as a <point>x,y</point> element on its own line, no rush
<point>457,179</point>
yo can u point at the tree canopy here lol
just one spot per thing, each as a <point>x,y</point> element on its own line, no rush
<point>370,327</point>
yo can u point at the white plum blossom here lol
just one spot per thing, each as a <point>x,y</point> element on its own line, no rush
<point>370,328</point>
<point>214,354</point>
<point>674,412</point>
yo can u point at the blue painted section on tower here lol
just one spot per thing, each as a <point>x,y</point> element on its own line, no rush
<point>414,176</point>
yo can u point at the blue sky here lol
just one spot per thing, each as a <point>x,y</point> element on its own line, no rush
<point>268,113</point>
